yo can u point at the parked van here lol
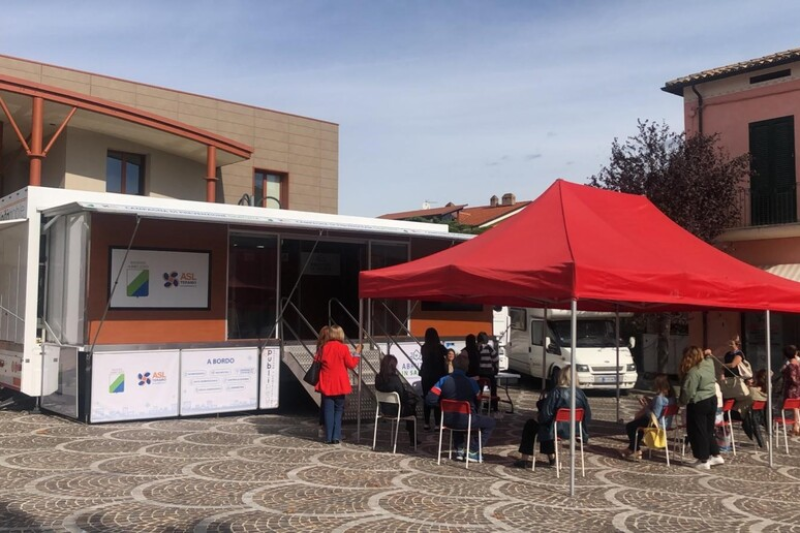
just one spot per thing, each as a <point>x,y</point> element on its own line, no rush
<point>541,351</point>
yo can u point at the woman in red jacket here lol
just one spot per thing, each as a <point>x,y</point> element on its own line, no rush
<point>334,382</point>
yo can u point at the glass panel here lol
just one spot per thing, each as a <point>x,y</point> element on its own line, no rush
<point>258,188</point>
<point>114,172</point>
<point>536,332</point>
<point>133,174</point>
<point>273,192</point>
<point>252,286</point>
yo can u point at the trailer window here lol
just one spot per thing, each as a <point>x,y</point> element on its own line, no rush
<point>517,319</point>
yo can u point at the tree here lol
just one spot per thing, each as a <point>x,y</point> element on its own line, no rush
<point>691,179</point>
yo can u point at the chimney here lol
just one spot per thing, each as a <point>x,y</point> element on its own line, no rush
<point>493,201</point>
<point>509,199</point>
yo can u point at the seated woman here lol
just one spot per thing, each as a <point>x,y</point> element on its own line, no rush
<point>558,398</point>
<point>665,395</point>
<point>387,380</point>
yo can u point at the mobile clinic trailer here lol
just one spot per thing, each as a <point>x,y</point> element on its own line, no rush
<point>119,307</point>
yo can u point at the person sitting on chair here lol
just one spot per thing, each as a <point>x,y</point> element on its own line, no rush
<point>665,395</point>
<point>387,380</point>
<point>458,387</point>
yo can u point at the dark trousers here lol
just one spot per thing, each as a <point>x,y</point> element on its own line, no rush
<point>529,434</point>
<point>484,423</point>
<point>700,428</point>
<point>634,435</point>
<point>492,387</point>
<point>427,385</point>
<point>333,408</point>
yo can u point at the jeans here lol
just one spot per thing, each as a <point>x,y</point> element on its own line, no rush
<point>333,408</point>
<point>484,423</point>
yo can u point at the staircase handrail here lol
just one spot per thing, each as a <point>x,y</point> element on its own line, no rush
<point>401,323</point>
<point>288,303</point>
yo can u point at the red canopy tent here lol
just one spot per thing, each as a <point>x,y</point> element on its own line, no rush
<point>607,250</point>
<point>585,248</point>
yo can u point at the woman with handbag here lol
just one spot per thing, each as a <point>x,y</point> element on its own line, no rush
<point>699,395</point>
<point>736,362</point>
<point>334,382</point>
<point>652,408</point>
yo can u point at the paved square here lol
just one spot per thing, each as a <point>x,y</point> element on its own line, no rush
<point>271,473</point>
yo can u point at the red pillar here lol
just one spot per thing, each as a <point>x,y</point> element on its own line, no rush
<point>211,174</point>
<point>36,154</point>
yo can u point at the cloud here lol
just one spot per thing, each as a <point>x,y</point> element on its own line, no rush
<point>531,157</point>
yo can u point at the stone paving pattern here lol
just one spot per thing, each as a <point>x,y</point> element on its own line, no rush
<point>271,473</point>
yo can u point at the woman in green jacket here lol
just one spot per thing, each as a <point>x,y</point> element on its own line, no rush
<point>698,394</point>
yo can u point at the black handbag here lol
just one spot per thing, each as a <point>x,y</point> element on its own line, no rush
<point>312,376</point>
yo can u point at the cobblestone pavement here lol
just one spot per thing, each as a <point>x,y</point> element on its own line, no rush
<point>271,473</point>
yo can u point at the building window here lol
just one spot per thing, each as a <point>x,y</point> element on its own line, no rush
<point>269,189</point>
<point>773,195</point>
<point>124,173</point>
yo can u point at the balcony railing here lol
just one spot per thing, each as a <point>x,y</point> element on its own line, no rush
<point>763,208</point>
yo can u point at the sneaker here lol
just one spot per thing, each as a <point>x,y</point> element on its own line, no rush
<point>460,454</point>
<point>475,458</point>
<point>702,466</point>
<point>715,460</point>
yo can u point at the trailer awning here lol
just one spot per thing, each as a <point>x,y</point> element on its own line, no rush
<point>256,216</point>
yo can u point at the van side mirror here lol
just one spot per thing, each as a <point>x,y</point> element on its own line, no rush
<point>632,342</point>
<point>551,346</point>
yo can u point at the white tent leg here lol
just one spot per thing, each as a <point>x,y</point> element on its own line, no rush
<point>360,367</point>
<point>573,391</point>
<point>769,387</point>
<point>544,355</point>
<point>616,314</point>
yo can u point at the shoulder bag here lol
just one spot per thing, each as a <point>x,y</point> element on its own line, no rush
<point>733,386</point>
<point>655,437</point>
<point>312,376</point>
<point>745,370</point>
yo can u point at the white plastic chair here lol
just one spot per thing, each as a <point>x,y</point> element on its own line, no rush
<point>391,398</point>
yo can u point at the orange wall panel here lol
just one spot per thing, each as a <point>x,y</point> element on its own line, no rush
<point>149,326</point>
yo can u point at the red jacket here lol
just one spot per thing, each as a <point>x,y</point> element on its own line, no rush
<point>333,377</point>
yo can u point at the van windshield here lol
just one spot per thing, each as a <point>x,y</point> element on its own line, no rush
<point>591,333</point>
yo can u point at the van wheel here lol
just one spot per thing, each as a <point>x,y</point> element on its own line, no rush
<point>554,373</point>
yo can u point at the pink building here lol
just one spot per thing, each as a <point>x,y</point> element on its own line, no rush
<point>752,106</point>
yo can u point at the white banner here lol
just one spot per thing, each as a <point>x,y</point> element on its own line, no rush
<point>219,380</point>
<point>160,279</point>
<point>270,377</point>
<point>134,385</point>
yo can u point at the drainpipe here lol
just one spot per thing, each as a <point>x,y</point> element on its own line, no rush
<point>36,154</point>
<point>211,174</point>
<point>699,109</point>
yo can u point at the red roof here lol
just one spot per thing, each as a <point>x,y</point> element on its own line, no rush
<point>478,216</point>
<point>424,213</point>
<point>607,250</point>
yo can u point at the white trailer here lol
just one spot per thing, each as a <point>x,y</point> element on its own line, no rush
<point>541,348</point>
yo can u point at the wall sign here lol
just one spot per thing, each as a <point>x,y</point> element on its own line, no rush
<point>270,377</point>
<point>219,380</point>
<point>134,385</point>
<point>159,279</point>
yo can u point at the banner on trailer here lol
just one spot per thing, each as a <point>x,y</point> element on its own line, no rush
<point>219,380</point>
<point>270,377</point>
<point>64,400</point>
<point>134,385</point>
<point>159,279</point>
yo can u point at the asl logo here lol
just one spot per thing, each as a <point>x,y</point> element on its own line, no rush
<point>170,279</point>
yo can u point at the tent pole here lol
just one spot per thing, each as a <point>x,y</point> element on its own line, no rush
<point>769,387</point>
<point>573,390</point>
<point>360,366</point>
<point>616,313</point>
<point>544,355</point>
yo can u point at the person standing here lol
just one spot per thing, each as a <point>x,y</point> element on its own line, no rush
<point>699,395</point>
<point>791,382</point>
<point>471,351</point>
<point>489,365</point>
<point>433,353</point>
<point>334,381</point>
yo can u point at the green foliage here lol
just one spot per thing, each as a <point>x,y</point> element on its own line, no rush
<point>691,179</point>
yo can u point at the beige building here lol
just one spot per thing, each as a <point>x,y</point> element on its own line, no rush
<point>97,133</point>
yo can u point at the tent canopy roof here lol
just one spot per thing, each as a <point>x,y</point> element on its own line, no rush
<point>608,250</point>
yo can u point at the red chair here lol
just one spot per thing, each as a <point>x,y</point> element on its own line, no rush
<point>562,416</point>
<point>485,397</point>
<point>669,416</point>
<point>463,408</point>
<point>789,404</point>
<point>727,425</point>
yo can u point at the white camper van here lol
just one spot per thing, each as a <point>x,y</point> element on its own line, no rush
<point>525,342</point>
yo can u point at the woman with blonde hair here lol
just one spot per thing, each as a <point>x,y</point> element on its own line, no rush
<point>334,382</point>
<point>699,395</point>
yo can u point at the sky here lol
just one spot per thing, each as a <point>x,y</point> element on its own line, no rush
<point>437,101</point>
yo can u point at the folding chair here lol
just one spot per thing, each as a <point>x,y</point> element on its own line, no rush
<point>485,397</point>
<point>463,408</point>
<point>562,416</point>
<point>727,425</point>
<point>669,415</point>
<point>391,398</point>
<point>781,419</point>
